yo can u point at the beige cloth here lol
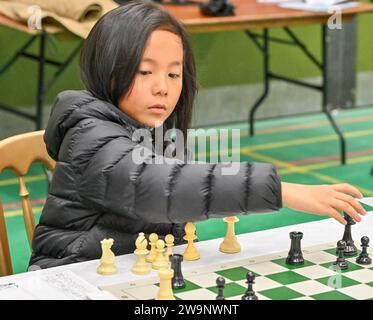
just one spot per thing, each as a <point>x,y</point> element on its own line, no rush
<point>57,16</point>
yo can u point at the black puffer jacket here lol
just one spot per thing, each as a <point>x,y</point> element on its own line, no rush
<point>99,192</point>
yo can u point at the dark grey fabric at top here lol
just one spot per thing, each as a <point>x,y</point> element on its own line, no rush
<point>98,191</point>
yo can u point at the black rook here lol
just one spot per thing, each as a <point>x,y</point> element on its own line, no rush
<point>178,279</point>
<point>295,255</point>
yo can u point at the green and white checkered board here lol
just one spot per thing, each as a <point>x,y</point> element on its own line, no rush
<point>317,279</point>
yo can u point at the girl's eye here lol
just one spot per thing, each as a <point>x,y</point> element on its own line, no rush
<point>144,73</point>
<point>174,75</point>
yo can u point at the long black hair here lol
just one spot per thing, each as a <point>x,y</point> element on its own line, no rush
<point>113,50</point>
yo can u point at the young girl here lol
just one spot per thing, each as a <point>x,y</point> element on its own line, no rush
<point>138,69</point>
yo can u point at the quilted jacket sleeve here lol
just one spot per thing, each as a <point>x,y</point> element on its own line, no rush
<point>173,193</point>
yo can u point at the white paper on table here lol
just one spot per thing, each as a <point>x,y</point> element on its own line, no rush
<point>51,285</point>
<point>14,291</point>
<point>68,284</point>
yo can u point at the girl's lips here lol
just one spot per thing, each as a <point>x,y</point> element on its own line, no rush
<point>158,109</point>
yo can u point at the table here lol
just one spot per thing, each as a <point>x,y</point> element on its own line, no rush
<point>253,245</point>
<point>252,15</point>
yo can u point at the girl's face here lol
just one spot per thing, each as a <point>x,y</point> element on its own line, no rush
<point>158,83</point>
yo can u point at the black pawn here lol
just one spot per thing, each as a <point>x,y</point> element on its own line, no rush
<point>220,283</point>
<point>350,249</point>
<point>250,293</point>
<point>364,258</point>
<point>295,256</point>
<point>178,279</point>
<point>341,263</point>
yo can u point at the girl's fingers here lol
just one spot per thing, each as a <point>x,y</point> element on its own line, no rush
<point>349,189</point>
<point>355,204</point>
<point>347,208</point>
<point>337,216</point>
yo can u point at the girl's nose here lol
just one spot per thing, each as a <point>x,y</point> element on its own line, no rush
<point>160,86</point>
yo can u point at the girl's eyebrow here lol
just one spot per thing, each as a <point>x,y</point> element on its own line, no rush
<point>173,63</point>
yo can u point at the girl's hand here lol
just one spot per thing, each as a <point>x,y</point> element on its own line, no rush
<point>324,200</point>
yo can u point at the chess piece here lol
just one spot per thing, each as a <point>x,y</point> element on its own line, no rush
<point>160,261</point>
<point>178,279</point>
<point>165,287</point>
<point>191,252</point>
<point>220,284</point>
<point>153,237</point>
<point>169,239</point>
<point>364,258</point>
<point>250,293</point>
<point>141,267</point>
<point>295,256</point>
<point>230,243</point>
<point>350,249</point>
<point>341,263</point>
<point>107,262</point>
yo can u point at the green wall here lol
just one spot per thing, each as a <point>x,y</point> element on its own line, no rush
<point>222,59</point>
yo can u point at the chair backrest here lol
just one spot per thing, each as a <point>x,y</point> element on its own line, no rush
<point>17,153</point>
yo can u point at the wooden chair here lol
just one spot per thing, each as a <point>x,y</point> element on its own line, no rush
<point>17,153</point>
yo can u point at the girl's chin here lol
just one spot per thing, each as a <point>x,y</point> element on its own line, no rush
<point>154,123</point>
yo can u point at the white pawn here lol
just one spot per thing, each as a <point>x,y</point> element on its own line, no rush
<point>107,262</point>
<point>191,253</point>
<point>169,244</point>
<point>141,267</point>
<point>160,261</point>
<point>153,253</point>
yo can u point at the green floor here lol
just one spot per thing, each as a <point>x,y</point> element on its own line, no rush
<point>305,150</point>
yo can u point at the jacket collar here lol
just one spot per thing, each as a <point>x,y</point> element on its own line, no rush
<point>126,120</point>
<point>135,124</point>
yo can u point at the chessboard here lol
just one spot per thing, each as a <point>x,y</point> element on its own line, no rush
<point>316,279</point>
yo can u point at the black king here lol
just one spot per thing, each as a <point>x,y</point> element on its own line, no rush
<point>350,249</point>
